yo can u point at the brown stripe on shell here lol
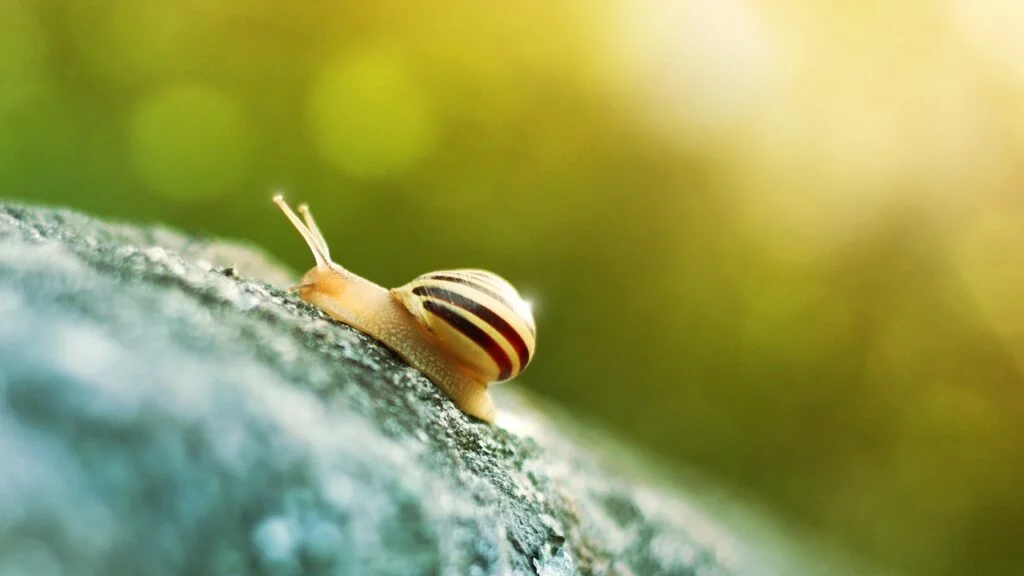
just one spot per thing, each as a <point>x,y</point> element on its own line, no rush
<point>474,333</point>
<point>500,325</point>
<point>486,283</point>
<point>467,282</point>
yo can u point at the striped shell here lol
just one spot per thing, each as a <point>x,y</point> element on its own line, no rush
<point>478,317</point>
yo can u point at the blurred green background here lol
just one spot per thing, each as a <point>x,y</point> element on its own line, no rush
<point>777,241</point>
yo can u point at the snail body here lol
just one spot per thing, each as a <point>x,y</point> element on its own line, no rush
<point>464,329</point>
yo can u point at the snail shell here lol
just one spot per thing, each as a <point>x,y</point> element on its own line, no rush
<point>477,316</point>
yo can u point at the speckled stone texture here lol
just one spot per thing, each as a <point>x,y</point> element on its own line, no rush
<point>164,413</point>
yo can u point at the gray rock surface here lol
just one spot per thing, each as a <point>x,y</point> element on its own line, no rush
<point>161,413</point>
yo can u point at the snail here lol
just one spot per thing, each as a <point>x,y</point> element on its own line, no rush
<point>464,329</point>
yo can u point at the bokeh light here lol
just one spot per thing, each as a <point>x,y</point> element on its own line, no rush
<point>369,117</point>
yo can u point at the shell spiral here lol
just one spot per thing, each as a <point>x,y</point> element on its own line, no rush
<point>477,316</point>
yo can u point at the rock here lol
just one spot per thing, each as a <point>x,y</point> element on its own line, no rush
<point>164,413</point>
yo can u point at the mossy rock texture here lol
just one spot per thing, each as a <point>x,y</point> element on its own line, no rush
<point>168,408</point>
